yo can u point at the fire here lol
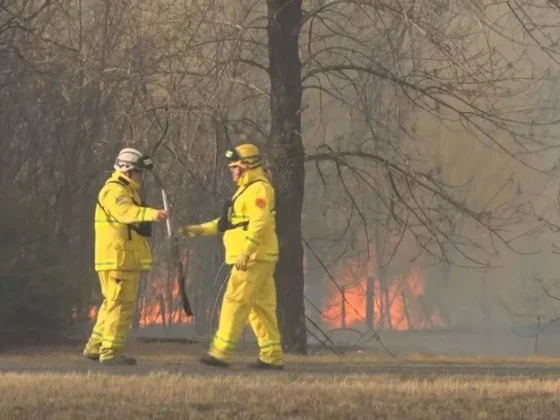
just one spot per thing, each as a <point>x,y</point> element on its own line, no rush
<point>397,302</point>
<point>156,308</point>
<point>93,311</point>
<point>161,303</point>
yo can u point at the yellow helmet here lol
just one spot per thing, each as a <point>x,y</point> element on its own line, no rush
<point>246,155</point>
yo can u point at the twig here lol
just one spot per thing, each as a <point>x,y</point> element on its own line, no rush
<point>537,335</point>
<point>333,348</point>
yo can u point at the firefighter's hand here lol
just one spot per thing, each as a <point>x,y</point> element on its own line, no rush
<point>242,261</point>
<point>191,231</point>
<point>161,216</point>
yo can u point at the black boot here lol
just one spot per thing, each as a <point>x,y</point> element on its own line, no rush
<point>119,361</point>
<point>260,365</point>
<point>91,356</point>
<point>212,361</point>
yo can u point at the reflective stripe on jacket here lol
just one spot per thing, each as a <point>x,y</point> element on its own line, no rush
<point>254,205</point>
<point>119,246</point>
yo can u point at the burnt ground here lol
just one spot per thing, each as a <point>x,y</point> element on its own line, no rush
<point>420,354</point>
<point>405,370</point>
<point>182,359</point>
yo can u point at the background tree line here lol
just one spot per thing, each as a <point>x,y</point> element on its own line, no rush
<point>398,133</point>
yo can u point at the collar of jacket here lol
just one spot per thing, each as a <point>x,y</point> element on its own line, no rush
<point>135,186</point>
<point>252,175</point>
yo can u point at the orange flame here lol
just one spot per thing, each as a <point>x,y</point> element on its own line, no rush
<point>157,309</point>
<point>396,306</point>
<point>161,304</point>
<point>93,311</point>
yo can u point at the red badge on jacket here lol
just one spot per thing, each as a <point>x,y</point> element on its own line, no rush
<point>261,203</point>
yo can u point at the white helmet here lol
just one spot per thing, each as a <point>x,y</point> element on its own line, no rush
<point>129,159</point>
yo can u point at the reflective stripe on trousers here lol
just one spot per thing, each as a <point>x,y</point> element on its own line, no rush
<point>250,295</point>
<point>114,319</point>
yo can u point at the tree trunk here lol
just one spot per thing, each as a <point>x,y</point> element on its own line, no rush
<point>370,302</point>
<point>388,301</point>
<point>381,271</point>
<point>288,154</point>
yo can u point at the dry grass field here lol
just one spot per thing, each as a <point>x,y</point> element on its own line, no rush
<point>56,383</point>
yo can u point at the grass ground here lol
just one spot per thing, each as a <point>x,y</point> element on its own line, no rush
<point>165,396</point>
<point>332,389</point>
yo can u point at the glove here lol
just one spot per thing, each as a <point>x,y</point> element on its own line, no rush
<point>242,261</point>
<point>161,216</point>
<point>191,231</point>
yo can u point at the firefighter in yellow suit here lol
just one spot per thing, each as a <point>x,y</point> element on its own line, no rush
<point>122,226</point>
<point>251,246</point>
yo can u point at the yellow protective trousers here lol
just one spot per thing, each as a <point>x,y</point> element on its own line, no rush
<point>250,295</point>
<point>114,319</point>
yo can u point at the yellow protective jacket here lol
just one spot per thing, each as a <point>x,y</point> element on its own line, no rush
<point>118,245</point>
<point>253,206</point>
